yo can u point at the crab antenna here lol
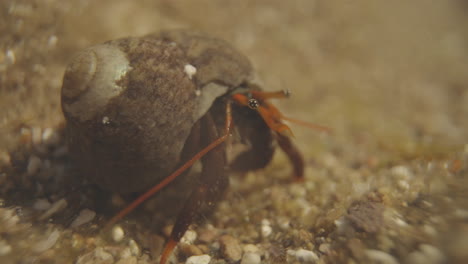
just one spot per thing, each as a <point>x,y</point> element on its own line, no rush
<point>176,173</point>
<point>261,95</point>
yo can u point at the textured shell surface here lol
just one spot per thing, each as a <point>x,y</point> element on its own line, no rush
<point>130,106</point>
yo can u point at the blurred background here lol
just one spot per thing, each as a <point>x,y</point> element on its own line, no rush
<point>389,77</point>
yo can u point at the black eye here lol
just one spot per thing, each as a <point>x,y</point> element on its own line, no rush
<point>253,103</point>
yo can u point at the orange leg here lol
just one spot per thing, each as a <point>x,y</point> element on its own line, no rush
<point>145,196</point>
<point>212,184</point>
<point>293,154</point>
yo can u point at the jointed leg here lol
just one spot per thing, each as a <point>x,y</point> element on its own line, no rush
<point>293,154</point>
<point>258,135</point>
<point>211,186</point>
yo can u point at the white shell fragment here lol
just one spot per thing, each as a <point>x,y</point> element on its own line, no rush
<point>378,256</point>
<point>303,256</point>
<point>202,259</point>
<point>56,207</point>
<point>190,70</point>
<point>41,205</point>
<point>84,217</point>
<point>189,237</point>
<point>47,243</point>
<point>117,233</point>
<point>5,249</point>
<point>105,120</point>
<point>266,228</point>
<point>251,258</point>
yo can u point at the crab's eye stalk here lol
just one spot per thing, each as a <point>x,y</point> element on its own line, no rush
<point>286,93</point>
<point>253,103</point>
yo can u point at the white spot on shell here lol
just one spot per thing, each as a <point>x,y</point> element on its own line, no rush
<point>190,70</point>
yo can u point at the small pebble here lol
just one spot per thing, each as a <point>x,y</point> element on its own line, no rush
<point>105,120</point>
<point>34,165</point>
<point>100,253</point>
<point>266,229</point>
<point>134,248</point>
<point>427,254</point>
<point>189,237</point>
<point>167,230</point>
<point>117,233</point>
<point>77,241</point>
<point>230,248</point>
<point>381,257</point>
<point>461,214</point>
<point>36,135</point>
<point>203,259</point>
<point>251,248</point>
<point>324,248</point>
<point>306,256</point>
<point>47,243</point>
<point>129,260</point>
<point>433,253</point>
<point>125,253</point>
<point>50,137</point>
<point>5,158</point>
<point>297,190</point>
<point>5,249</point>
<point>41,205</point>
<point>190,70</point>
<point>207,235</point>
<point>401,172</point>
<point>56,207</point>
<point>251,258</point>
<point>84,217</point>
<point>189,249</point>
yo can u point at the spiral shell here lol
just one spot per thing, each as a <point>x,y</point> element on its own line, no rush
<point>130,104</point>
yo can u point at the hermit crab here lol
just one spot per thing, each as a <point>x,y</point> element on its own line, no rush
<point>142,110</point>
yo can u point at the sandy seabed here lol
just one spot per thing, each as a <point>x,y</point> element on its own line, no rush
<point>388,186</point>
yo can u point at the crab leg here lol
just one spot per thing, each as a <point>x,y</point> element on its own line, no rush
<point>293,154</point>
<point>145,196</point>
<point>212,183</point>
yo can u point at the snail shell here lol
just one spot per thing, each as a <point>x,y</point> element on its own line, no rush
<point>130,106</point>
